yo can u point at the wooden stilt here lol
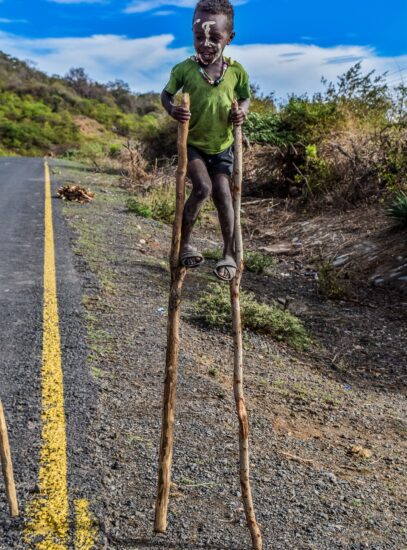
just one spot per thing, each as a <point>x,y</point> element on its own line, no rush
<point>177,278</point>
<point>238,348</point>
<point>7,465</point>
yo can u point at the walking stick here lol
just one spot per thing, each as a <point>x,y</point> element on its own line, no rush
<point>7,465</point>
<point>238,346</point>
<point>174,309</point>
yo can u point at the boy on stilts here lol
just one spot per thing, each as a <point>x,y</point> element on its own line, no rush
<point>213,83</point>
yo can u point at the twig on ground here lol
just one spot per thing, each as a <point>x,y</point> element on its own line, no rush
<point>7,465</point>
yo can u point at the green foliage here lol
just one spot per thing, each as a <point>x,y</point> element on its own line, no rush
<point>260,103</point>
<point>314,175</point>
<point>343,145</point>
<point>264,128</point>
<point>393,162</point>
<point>397,210</point>
<point>213,308</point>
<point>366,97</point>
<point>28,126</point>
<point>114,150</point>
<point>306,121</point>
<point>161,141</point>
<point>37,112</point>
<point>139,208</point>
<point>213,254</point>
<point>328,282</point>
<point>255,262</point>
<point>158,204</point>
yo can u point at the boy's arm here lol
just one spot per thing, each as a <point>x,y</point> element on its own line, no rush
<point>239,116</point>
<point>179,113</point>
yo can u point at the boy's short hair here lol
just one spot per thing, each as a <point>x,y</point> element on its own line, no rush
<point>218,7</point>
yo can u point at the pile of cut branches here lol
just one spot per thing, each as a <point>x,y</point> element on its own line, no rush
<point>75,193</point>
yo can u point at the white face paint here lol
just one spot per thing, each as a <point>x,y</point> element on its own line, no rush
<point>206,27</point>
<point>207,30</point>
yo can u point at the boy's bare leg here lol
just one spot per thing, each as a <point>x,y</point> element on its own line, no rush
<point>201,191</point>
<point>222,197</point>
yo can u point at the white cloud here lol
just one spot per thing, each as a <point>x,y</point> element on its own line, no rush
<point>287,68</point>
<point>78,1</point>
<point>163,13</point>
<point>145,63</point>
<point>7,21</point>
<point>141,6</point>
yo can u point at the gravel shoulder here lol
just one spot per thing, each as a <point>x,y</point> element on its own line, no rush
<point>309,412</point>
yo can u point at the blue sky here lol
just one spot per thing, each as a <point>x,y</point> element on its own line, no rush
<point>286,46</point>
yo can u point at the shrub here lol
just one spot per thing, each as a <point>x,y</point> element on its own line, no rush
<point>256,262</point>
<point>304,120</point>
<point>397,210</point>
<point>158,204</point>
<point>161,141</point>
<point>264,128</point>
<point>137,207</point>
<point>28,126</point>
<point>213,308</point>
<point>114,150</point>
<point>329,283</point>
<point>213,254</point>
<point>314,176</point>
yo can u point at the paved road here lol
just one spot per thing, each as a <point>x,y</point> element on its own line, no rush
<point>22,213</point>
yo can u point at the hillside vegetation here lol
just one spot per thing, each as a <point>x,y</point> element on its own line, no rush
<point>41,114</point>
<point>340,147</point>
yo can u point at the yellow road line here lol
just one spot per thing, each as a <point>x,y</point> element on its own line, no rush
<point>85,530</point>
<point>47,526</point>
<point>47,515</point>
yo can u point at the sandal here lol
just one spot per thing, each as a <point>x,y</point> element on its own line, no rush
<point>191,258</point>
<point>229,265</point>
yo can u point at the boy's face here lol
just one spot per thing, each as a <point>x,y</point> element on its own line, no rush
<point>211,36</point>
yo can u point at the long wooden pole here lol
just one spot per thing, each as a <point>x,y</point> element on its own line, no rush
<point>7,465</point>
<point>174,310</point>
<point>238,347</point>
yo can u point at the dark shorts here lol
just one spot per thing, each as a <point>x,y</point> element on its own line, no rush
<point>221,163</point>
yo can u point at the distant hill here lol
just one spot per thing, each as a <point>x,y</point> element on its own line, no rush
<point>40,113</point>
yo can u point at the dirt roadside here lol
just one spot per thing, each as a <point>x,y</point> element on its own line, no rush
<point>328,426</point>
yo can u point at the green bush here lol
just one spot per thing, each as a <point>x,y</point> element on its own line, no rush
<point>161,141</point>
<point>304,120</point>
<point>28,126</point>
<point>264,128</point>
<point>114,150</point>
<point>397,210</point>
<point>138,208</point>
<point>213,308</point>
<point>158,204</point>
<point>256,262</point>
<point>314,175</point>
<point>329,283</point>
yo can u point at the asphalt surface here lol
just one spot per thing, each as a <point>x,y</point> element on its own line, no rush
<point>21,303</point>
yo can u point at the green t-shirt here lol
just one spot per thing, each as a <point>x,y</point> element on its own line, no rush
<point>210,128</point>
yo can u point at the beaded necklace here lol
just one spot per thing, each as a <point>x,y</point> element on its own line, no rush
<point>208,78</point>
